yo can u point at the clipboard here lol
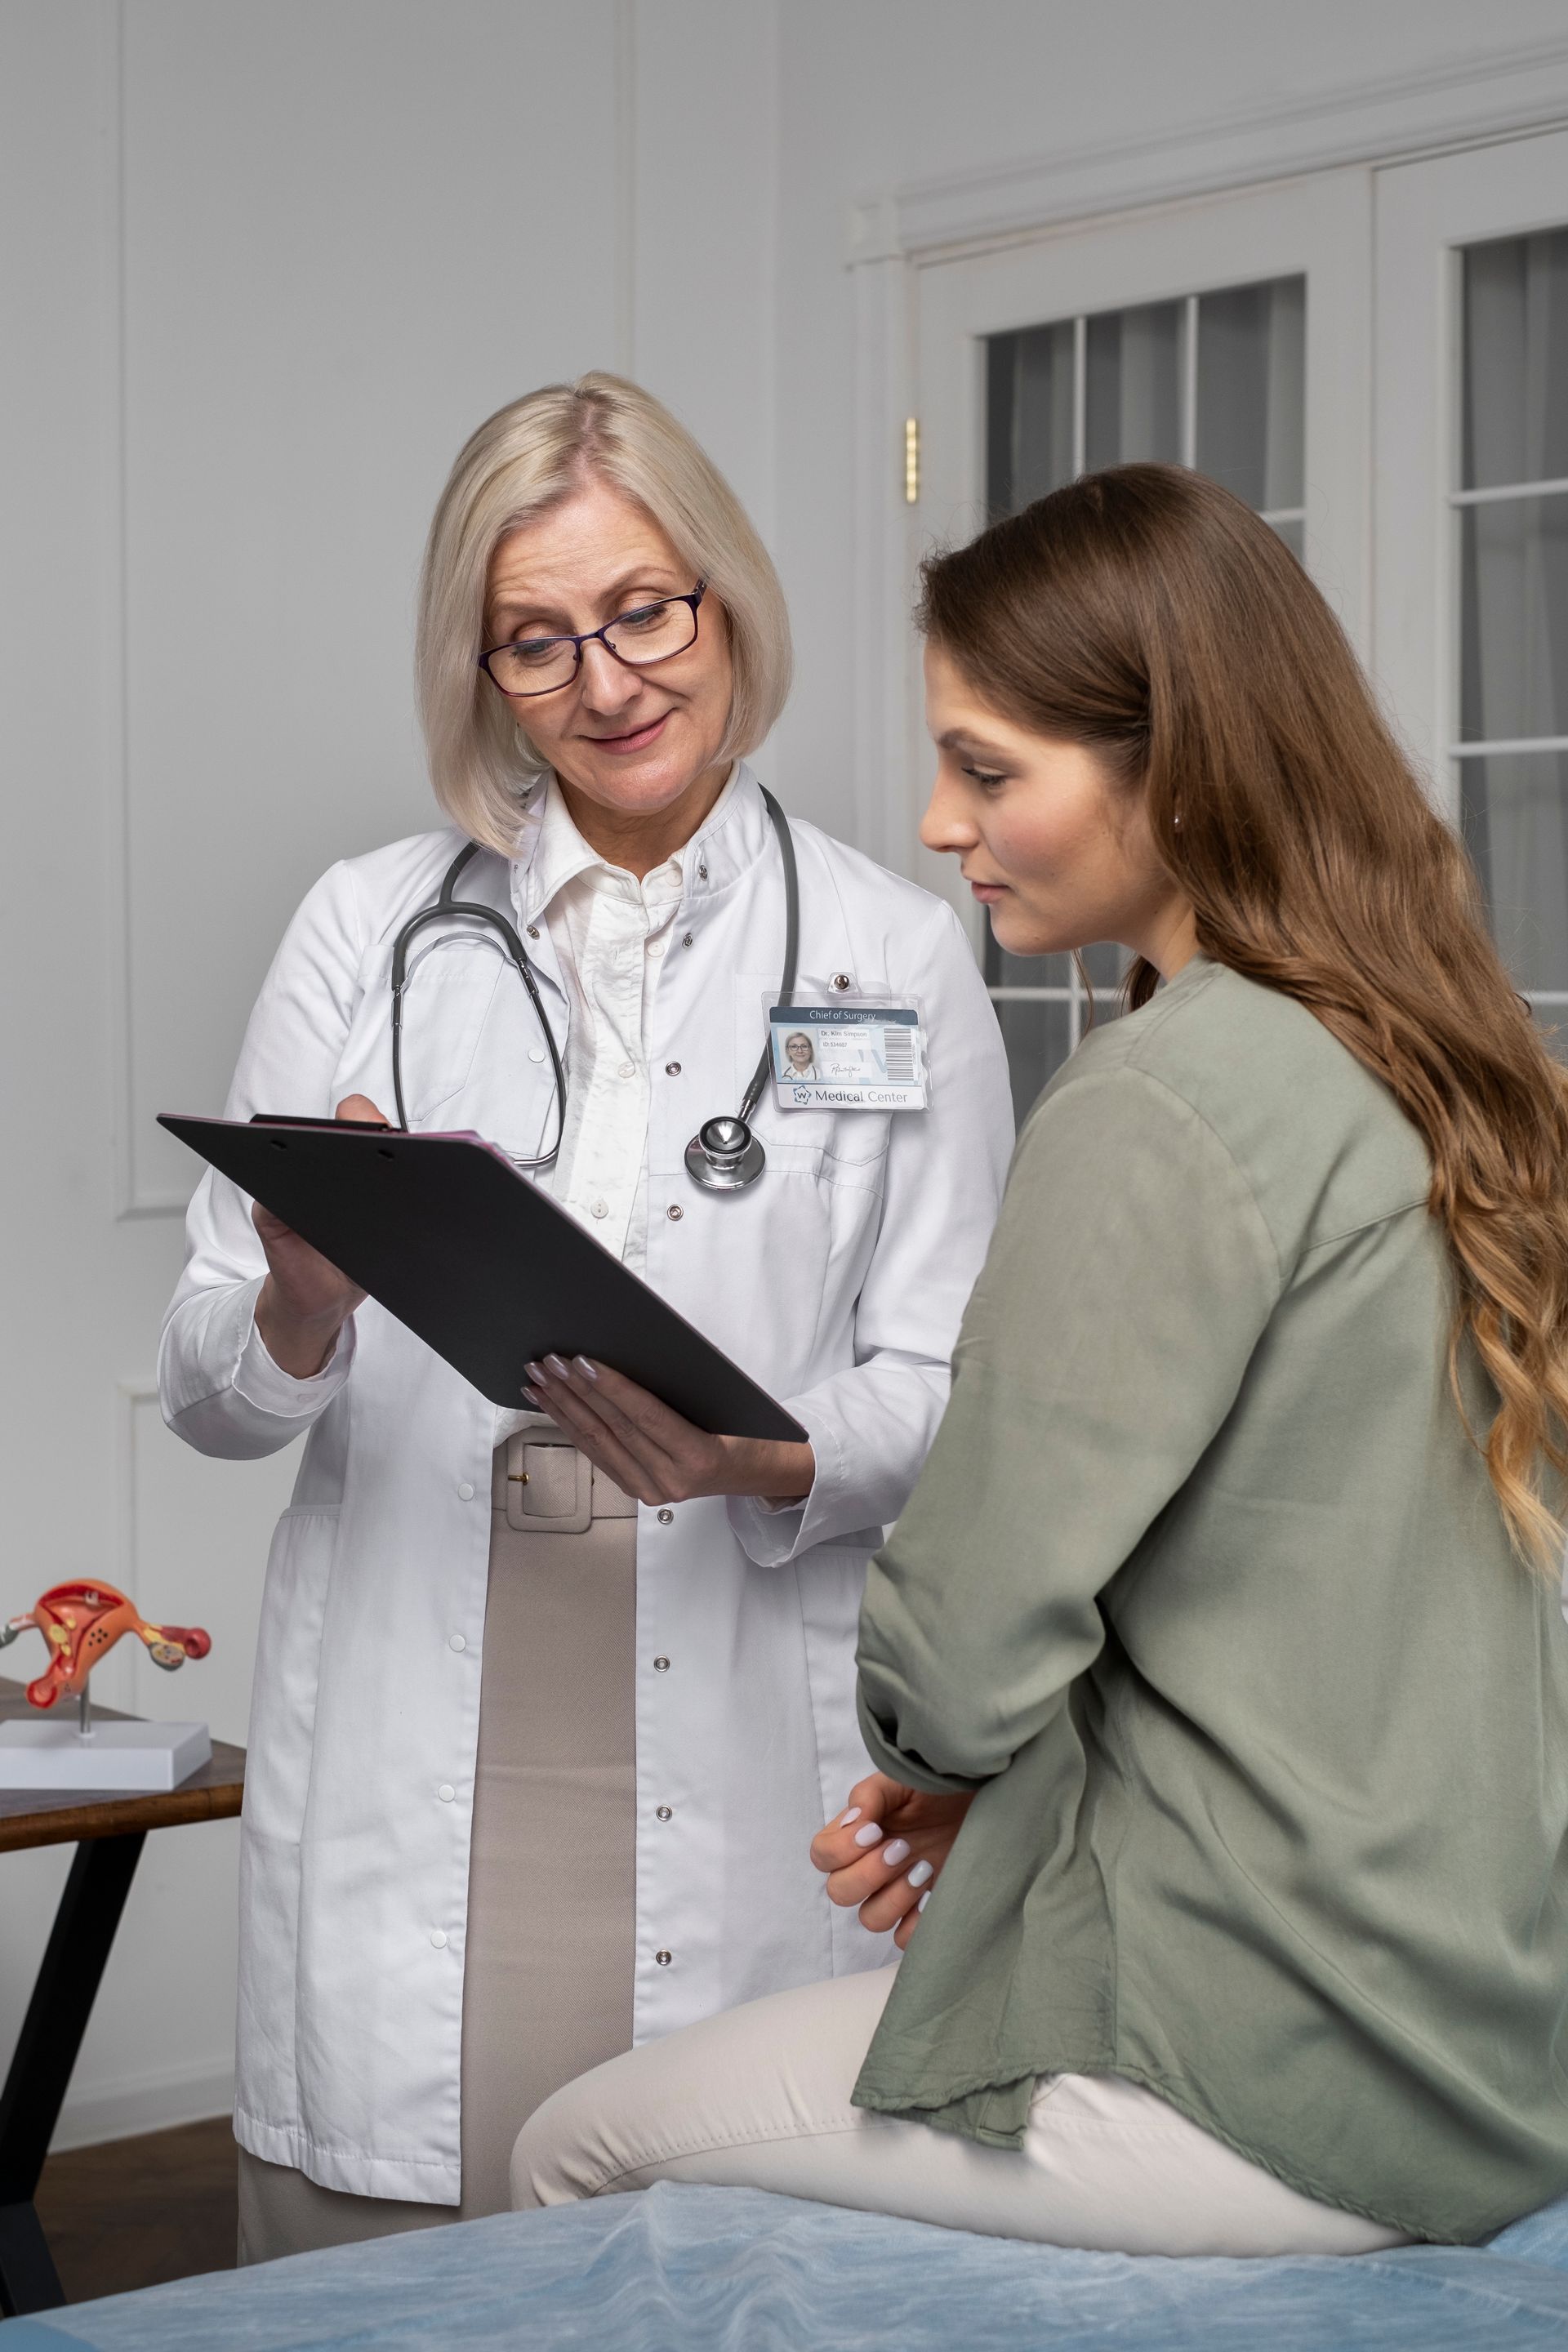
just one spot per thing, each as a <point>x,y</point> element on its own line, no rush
<point>480,1264</point>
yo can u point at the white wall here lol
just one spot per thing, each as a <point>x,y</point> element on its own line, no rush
<point>263,263</point>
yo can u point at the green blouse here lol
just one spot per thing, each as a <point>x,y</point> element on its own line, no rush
<point>1206,1590</point>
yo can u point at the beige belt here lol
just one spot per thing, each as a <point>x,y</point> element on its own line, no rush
<point>547,1488</point>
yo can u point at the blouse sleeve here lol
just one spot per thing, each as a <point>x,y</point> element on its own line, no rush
<point>1131,1277</point>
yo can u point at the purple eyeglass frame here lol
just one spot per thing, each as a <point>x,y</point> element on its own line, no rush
<point>597,637</point>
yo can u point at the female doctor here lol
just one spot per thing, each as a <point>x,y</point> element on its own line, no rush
<point>548,1704</point>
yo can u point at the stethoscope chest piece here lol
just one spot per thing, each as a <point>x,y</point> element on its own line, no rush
<point>725,1156</point>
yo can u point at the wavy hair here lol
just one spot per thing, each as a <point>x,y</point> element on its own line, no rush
<point>529,457</point>
<point>1148,615</point>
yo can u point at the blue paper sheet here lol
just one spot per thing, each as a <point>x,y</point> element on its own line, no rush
<point>681,2269</point>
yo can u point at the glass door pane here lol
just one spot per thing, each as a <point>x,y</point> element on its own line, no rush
<point>1216,380</point>
<point>1510,520</point>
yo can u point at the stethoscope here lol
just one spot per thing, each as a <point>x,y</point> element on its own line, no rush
<point>723,1156</point>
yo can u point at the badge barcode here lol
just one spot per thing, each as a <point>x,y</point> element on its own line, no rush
<point>899,1049</point>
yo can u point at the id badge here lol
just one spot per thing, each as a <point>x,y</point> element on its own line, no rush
<point>848,1056</point>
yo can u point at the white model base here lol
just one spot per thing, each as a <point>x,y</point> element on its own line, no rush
<point>113,1756</point>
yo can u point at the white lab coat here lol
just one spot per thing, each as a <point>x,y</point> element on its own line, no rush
<point>837,1281</point>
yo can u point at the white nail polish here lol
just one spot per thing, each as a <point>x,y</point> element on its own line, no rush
<point>894,1851</point>
<point>920,1874</point>
<point>845,1819</point>
<point>870,1836</point>
<point>925,1898</point>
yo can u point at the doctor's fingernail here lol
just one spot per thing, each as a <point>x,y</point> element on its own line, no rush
<point>556,1367</point>
<point>581,1365</point>
<point>894,1851</point>
<point>920,1874</point>
<point>845,1819</point>
<point>925,1898</point>
<point>535,1372</point>
<point>532,1396</point>
<point>870,1834</point>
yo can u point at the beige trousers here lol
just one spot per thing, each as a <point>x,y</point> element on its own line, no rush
<point>547,1974</point>
<point>759,2098</point>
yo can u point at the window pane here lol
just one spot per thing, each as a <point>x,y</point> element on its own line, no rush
<point>1516,360</point>
<point>1133,388</point>
<point>1513,678</point>
<point>1038,1038</point>
<point>1028,415</point>
<point>1515,814</point>
<point>1251,389</point>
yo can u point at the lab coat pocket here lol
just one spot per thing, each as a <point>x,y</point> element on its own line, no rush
<point>288,1666</point>
<point>448,996</point>
<point>831,1580</point>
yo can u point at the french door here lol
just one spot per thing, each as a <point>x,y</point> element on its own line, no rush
<point>1232,335</point>
<point>1471,519</point>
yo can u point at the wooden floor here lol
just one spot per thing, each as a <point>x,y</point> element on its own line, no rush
<point>134,2212</point>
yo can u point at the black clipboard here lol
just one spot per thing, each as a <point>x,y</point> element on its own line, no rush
<point>449,1237</point>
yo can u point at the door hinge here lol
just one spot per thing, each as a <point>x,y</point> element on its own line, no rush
<point>911,461</point>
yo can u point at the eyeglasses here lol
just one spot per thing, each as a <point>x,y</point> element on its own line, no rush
<point>647,633</point>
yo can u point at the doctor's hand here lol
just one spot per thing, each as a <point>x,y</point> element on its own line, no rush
<point>304,1302</point>
<point>649,1450</point>
<point>885,1851</point>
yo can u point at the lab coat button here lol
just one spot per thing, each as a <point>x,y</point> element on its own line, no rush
<point>675,1213</point>
<point>465,1492</point>
<point>663,1812</point>
<point>455,1642</point>
<point>536,1053</point>
<point>672,1069</point>
<point>445,1792</point>
<point>661,1666</point>
<point>666,1517</point>
<point>534,930</point>
<point>663,1958</point>
<point>438,1938</point>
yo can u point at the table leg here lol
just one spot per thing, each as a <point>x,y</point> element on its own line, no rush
<point>72,1970</point>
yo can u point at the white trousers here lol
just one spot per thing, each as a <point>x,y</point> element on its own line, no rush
<point>759,2098</point>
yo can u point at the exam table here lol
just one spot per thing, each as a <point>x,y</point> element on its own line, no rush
<point>684,2269</point>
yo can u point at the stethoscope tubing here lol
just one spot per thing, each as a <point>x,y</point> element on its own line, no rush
<point>447,907</point>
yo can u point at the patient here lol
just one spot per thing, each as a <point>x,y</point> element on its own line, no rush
<point>1215,1677</point>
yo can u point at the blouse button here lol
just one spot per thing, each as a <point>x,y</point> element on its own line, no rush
<point>663,1958</point>
<point>665,1517</point>
<point>686,940</point>
<point>600,1209</point>
<point>672,1069</point>
<point>661,1666</point>
<point>662,1812</point>
<point>628,1069</point>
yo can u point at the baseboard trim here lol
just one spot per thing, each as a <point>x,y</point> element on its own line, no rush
<point>144,2103</point>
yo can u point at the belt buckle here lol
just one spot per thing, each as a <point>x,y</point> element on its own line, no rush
<point>548,1488</point>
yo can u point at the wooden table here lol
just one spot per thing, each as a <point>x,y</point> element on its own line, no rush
<point>108,1831</point>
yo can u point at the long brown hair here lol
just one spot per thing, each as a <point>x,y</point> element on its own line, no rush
<point>1149,614</point>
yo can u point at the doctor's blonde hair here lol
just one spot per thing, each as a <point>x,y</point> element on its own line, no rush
<point>529,457</point>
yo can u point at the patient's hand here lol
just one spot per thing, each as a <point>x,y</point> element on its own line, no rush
<point>889,1873</point>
